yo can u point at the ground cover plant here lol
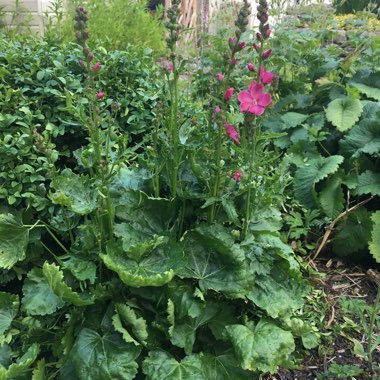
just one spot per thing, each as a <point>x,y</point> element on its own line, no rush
<point>143,233</point>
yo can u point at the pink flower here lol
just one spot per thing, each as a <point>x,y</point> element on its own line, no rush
<point>251,67</point>
<point>217,109</point>
<point>96,67</point>
<point>266,77</point>
<point>100,95</point>
<point>243,45</point>
<point>267,53</point>
<point>237,176</point>
<point>256,46</point>
<point>229,93</point>
<point>255,99</point>
<point>232,133</point>
<point>219,76</point>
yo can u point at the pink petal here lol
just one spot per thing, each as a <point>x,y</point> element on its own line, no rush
<point>244,96</point>
<point>256,109</point>
<point>264,100</point>
<point>256,89</point>
<point>244,107</point>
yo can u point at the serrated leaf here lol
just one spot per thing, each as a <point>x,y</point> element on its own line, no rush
<point>374,244</point>
<point>332,197</point>
<point>171,316</point>
<point>363,138</point>
<point>231,212</point>
<point>74,192</point>
<point>368,183</point>
<point>34,286</point>
<point>39,371</point>
<point>216,261</point>
<point>136,242</point>
<point>310,174</point>
<point>156,269</point>
<point>81,269</point>
<point>22,365</point>
<point>344,113</point>
<point>129,318</point>
<point>103,357</point>
<point>13,240</point>
<point>9,305</point>
<point>293,119</point>
<point>54,277</point>
<point>354,233</point>
<point>371,92</point>
<point>264,349</point>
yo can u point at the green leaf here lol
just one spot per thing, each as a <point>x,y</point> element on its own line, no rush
<point>159,365</point>
<point>9,305</point>
<point>75,192</point>
<point>354,233</point>
<point>54,277</point>
<point>13,240</point>
<point>230,209</point>
<point>156,269</point>
<point>344,371</point>
<point>126,316</point>
<point>344,113</point>
<point>293,119</point>
<point>39,371</point>
<point>310,174</point>
<point>81,269</point>
<point>22,364</point>
<point>34,286</point>
<point>136,242</point>
<point>264,349</point>
<point>368,183</point>
<point>332,197</point>
<point>101,357</point>
<point>374,244</point>
<point>216,261</point>
<point>371,92</point>
<point>363,138</point>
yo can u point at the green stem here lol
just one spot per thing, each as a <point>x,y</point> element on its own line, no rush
<point>174,129</point>
<point>55,238</point>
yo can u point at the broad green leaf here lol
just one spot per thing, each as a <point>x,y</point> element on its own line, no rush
<point>75,192</point>
<point>39,298</point>
<point>344,113</point>
<point>155,269</point>
<point>277,293</point>
<point>374,244</point>
<point>216,261</point>
<point>332,197</point>
<point>310,174</point>
<point>22,364</point>
<point>354,233</point>
<point>136,242</point>
<point>368,183</point>
<point>39,371</point>
<point>9,305</point>
<point>264,349</point>
<point>159,365</point>
<point>54,277</point>
<point>345,371</point>
<point>101,357</point>
<point>293,119</point>
<point>371,92</point>
<point>128,318</point>
<point>81,269</point>
<point>363,138</point>
<point>13,240</point>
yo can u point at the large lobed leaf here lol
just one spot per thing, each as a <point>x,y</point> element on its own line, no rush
<point>100,357</point>
<point>264,349</point>
<point>9,305</point>
<point>14,238</point>
<point>368,183</point>
<point>343,113</point>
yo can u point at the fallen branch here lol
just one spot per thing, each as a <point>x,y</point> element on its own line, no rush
<point>332,225</point>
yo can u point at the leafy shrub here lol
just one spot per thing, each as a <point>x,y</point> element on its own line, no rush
<point>350,6</point>
<point>115,24</point>
<point>40,87</point>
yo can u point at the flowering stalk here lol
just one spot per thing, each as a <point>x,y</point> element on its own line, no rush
<point>173,29</point>
<point>235,45</point>
<point>105,211</point>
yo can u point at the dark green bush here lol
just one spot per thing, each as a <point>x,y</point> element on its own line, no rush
<point>351,6</point>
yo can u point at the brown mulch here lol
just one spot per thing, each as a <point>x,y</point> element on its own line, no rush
<point>339,281</point>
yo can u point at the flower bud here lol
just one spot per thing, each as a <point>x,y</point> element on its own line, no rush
<point>242,45</point>
<point>259,36</point>
<point>228,94</point>
<point>256,46</point>
<point>267,53</point>
<point>251,67</point>
<point>267,33</point>
<point>96,67</point>
<point>90,55</point>
<point>100,95</point>
<point>219,76</point>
